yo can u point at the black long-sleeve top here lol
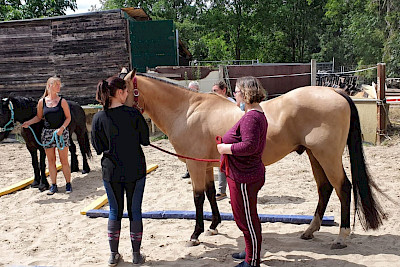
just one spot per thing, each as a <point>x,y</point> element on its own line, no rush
<point>118,133</point>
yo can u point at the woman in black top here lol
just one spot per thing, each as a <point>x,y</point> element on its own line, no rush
<point>57,116</point>
<point>118,132</point>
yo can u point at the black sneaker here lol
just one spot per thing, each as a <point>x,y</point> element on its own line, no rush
<point>114,259</point>
<point>239,256</point>
<point>53,189</point>
<point>138,258</point>
<point>68,188</point>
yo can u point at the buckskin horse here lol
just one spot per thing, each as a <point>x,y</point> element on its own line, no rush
<point>318,120</point>
<point>20,109</point>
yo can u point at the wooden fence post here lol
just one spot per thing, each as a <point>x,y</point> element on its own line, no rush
<point>313,72</point>
<point>381,127</point>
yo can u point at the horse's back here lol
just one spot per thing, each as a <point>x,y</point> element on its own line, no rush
<point>313,117</point>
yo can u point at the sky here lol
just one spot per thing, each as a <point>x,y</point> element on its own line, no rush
<point>84,6</point>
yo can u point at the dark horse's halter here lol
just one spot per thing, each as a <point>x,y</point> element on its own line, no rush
<point>11,121</point>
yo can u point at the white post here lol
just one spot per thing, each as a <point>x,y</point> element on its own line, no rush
<point>313,72</point>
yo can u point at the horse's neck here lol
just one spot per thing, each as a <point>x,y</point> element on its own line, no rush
<point>24,109</point>
<point>166,103</point>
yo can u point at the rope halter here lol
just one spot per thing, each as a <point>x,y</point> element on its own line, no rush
<point>11,121</point>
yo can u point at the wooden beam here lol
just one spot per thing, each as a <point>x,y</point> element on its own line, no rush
<point>23,183</point>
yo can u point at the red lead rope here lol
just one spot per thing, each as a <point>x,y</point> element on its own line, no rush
<point>224,157</point>
<point>184,157</point>
<point>219,141</point>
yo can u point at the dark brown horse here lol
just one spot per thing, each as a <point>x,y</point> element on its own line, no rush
<point>318,120</point>
<point>24,109</point>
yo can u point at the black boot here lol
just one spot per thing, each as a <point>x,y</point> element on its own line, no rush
<point>114,229</point>
<point>136,231</point>
<point>114,259</point>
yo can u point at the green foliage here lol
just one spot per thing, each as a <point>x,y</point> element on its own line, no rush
<point>392,54</point>
<point>28,9</point>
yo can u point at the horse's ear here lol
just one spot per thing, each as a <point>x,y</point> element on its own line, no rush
<point>130,75</point>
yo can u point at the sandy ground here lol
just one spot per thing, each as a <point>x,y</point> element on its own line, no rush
<point>37,229</point>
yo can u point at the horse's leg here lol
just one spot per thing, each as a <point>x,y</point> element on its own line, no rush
<point>197,174</point>
<point>44,184</point>
<point>333,167</point>
<point>344,194</point>
<point>35,165</point>
<point>210,192</point>
<point>324,192</point>
<point>74,157</point>
<point>199,228</point>
<point>82,141</point>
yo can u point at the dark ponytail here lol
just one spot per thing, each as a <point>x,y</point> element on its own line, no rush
<point>107,89</point>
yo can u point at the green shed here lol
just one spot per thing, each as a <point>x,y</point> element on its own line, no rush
<point>152,44</point>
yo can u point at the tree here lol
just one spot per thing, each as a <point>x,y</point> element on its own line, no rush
<point>354,32</point>
<point>15,9</point>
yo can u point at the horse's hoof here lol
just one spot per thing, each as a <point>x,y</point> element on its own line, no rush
<point>85,171</point>
<point>338,246</point>
<point>306,237</point>
<point>211,232</point>
<point>192,243</point>
<point>35,184</point>
<point>43,187</point>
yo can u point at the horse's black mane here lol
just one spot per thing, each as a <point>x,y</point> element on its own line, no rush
<point>22,101</point>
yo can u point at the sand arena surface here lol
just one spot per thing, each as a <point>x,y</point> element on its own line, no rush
<point>37,229</point>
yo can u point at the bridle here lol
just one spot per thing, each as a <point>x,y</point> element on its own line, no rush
<point>138,107</point>
<point>136,96</point>
<point>11,121</point>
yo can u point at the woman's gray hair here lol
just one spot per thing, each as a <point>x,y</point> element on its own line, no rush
<point>194,85</point>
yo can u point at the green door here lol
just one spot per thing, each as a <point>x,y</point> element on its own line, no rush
<point>153,43</point>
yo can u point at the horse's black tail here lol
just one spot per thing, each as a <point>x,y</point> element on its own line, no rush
<point>369,211</point>
<point>87,149</point>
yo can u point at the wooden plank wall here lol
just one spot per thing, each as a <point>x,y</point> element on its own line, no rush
<point>81,50</point>
<point>25,64</point>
